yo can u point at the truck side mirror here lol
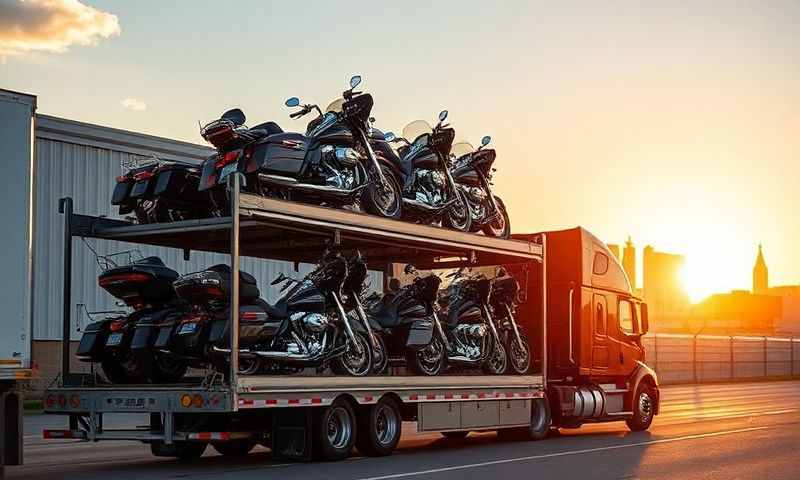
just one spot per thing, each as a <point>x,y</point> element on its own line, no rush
<point>644,321</point>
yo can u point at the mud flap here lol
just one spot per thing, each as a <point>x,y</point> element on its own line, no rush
<point>11,431</point>
<point>291,435</point>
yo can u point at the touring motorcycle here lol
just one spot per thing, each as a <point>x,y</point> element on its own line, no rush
<point>334,163</point>
<point>472,171</point>
<point>430,193</point>
<point>503,302</point>
<point>117,342</point>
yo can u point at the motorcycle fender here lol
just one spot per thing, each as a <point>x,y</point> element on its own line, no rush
<point>420,334</point>
<point>94,339</point>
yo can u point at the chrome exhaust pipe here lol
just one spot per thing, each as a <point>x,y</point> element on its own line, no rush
<point>407,202</point>
<point>293,183</point>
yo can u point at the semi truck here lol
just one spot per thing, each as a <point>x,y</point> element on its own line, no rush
<point>579,312</point>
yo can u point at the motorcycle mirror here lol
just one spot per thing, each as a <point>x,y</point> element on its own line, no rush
<point>235,115</point>
<point>442,115</point>
<point>390,136</point>
<point>355,81</point>
<point>409,269</point>
<point>485,140</point>
<point>293,102</point>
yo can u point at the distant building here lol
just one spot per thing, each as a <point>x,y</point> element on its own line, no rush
<point>667,300</point>
<point>760,275</point>
<point>629,262</point>
<point>614,249</point>
<point>737,313</point>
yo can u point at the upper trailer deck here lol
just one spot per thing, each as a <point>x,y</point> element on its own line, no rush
<point>283,230</point>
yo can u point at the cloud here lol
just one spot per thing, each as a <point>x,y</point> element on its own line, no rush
<point>51,26</point>
<point>133,104</point>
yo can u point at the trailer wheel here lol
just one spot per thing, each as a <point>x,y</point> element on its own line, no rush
<point>234,448</point>
<point>334,431</point>
<point>643,408</point>
<point>379,428</point>
<point>181,450</point>
<point>541,419</point>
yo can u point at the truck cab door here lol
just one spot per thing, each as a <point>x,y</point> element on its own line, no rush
<point>624,338</point>
<point>600,347</point>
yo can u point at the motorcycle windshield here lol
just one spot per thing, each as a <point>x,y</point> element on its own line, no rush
<point>460,149</point>
<point>335,106</point>
<point>417,131</point>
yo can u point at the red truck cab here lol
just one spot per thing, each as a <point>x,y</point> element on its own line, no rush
<point>595,358</point>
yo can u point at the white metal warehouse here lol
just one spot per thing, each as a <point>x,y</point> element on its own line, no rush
<point>58,158</point>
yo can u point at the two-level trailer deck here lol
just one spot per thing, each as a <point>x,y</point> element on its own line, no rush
<point>303,415</point>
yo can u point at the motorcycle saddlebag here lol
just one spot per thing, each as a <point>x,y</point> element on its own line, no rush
<point>175,181</point>
<point>144,281</point>
<point>255,326</point>
<point>280,154</point>
<point>94,339</point>
<point>147,327</point>
<point>420,333</point>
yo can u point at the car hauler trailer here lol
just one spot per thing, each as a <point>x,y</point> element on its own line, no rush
<point>318,416</point>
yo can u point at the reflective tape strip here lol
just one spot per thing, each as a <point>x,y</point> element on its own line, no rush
<point>283,402</point>
<point>59,434</point>
<point>370,399</point>
<point>208,436</point>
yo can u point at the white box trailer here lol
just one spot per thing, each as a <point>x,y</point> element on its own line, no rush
<point>16,142</point>
<point>303,416</point>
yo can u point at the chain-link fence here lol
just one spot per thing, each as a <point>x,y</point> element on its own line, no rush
<point>705,358</point>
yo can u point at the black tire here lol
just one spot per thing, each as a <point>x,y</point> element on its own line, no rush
<point>351,362</point>
<point>384,201</point>
<point>497,361</point>
<point>541,420</point>
<point>458,216</point>
<point>643,406</point>
<point>123,369</point>
<point>380,356</point>
<point>167,369</point>
<point>460,435</point>
<point>519,360</point>
<point>234,448</point>
<point>334,431</point>
<point>501,227</point>
<point>184,451</point>
<point>429,360</point>
<point>379,428</point>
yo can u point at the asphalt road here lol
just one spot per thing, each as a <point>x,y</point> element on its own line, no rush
<point>720,431</point>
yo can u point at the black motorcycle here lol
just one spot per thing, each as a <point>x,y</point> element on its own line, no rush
<point>470,335</point>
<point>161,192</point>
<point>472,171</point>
<point>121,344</point>
<point>503,301</point>
<point>404,320</point>
<point>430,193</point>
<point>332,164</point>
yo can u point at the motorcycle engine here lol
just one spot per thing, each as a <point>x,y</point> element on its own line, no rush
<point>429,186</point>
<point>338,166</point>
<point>310,322</point>
<point>470,339</point>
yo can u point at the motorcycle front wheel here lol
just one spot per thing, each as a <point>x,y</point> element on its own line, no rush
<point>352,362</point>
<point>458,216</point>
<point>385,200</point>
<point>501,225</point>
<point>428,360</point>
<point>380,355</point>
<point>519,358</point>
<point>497,361</point>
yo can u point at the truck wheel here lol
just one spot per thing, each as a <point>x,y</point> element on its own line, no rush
<point>234,448</point>
<point>180,450</point>
<point>644,404</point>
<point>541,421</point>
<point>334,431</point>
<point>379,428</point>
<point>455,435</point>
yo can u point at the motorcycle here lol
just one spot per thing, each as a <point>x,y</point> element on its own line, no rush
<point>430,193</point>
<point>353,290</point>
<point>469,334</point>
<point>503,301</point>
<point>121,343</point>
<point>332,164</point>
<point>472,171</point>
<point>160,192</point>
<point>404,322</point>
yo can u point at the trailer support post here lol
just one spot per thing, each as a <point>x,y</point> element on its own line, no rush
<point>65,208</point>
<point>544,311</point>
<point>234,184</point>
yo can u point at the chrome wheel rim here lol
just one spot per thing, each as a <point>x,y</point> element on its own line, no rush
<point>356,363</point>
<point>459,213</point>
<point>497,359</point>
<point>430,357</point>
<point>386,196</point>
<point>339,428</point>
<point>645,406</point>
<point>498,225</point>
<point>385,424</point>
<point>520,358</point>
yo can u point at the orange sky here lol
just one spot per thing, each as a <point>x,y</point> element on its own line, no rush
<point>676,123</point>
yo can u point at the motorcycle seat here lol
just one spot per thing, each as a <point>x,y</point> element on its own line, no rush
<point>279,310</point>
<point>266,129</point>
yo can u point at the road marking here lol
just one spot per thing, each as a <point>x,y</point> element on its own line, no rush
<point>563,454</point>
